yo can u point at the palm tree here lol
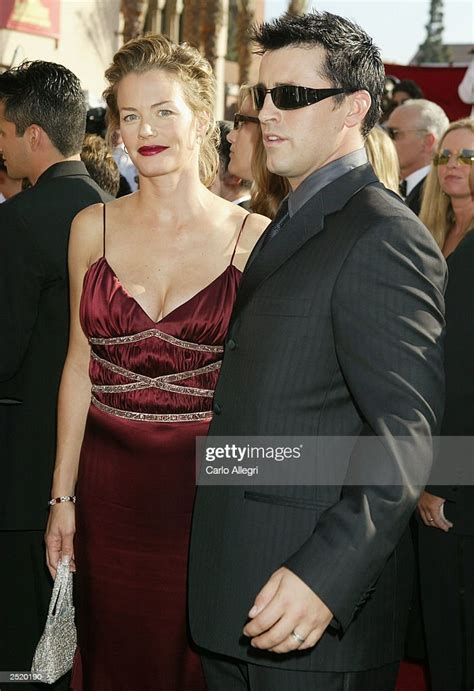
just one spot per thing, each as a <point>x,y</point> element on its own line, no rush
<point>245,16</point>
<point>134,12</point>
<point>296,7</point>
<point>211,22</point>
<point>191,22</point>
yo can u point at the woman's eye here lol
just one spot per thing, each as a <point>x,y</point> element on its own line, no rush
<point>130,117</point>
<point>163,113</point>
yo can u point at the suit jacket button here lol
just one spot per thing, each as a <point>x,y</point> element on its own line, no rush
<point>217,408</point>
<point>231,344</point>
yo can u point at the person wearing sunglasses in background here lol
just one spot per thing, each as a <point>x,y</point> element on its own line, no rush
<point>336,332</point>
<point>446,529</point>
<point>249,160</point>
<point>230,186</point>
<point>415,127</point>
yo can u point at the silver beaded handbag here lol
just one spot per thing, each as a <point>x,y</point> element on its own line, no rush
<point>55,650</point>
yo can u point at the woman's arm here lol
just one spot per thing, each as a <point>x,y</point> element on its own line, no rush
<point>74,393</point>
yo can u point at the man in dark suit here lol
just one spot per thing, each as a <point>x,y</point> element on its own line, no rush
<point>42,124</point>
<point>336,332</point>
<point>416,127</point>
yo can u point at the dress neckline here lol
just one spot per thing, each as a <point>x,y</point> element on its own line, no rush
<point>104,260</point>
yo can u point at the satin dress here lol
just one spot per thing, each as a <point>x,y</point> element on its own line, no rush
<point>152,388</point>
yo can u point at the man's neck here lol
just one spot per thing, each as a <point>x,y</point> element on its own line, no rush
<point>46,162</point>
<point>405,172</point>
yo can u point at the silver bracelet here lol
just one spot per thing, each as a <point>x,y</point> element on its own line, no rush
<point>61,500</point>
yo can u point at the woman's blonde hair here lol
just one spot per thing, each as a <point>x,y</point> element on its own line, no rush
<point>268,189</point>
<point>188,67</point>
<point>383,157</point>
<point>436,209</point>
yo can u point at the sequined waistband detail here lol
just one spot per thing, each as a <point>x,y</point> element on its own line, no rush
<point>156,333</point>
<point>152,417</point>
<point>141,381</point>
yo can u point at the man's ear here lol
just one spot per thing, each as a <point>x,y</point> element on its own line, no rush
<point>34,135</point>
<point>360,104</point>
<point>429,142</point>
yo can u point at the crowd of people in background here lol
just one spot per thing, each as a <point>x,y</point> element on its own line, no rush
<point>151,312</point>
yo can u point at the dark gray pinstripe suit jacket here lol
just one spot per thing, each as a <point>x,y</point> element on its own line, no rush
<point>338,327</point>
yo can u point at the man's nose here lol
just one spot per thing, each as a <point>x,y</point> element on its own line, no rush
<point>268,111</point>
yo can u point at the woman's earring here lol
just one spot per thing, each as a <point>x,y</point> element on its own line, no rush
<point>199,139</point>
<point>125,149</point>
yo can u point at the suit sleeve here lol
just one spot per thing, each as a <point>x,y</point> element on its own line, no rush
<point>387,312</point>
<point>21,277</point>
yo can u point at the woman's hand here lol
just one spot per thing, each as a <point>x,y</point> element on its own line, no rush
<point>59,536</point>
<point>431,511</point>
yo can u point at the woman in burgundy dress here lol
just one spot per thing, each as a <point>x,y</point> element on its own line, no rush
<point>153,279</point>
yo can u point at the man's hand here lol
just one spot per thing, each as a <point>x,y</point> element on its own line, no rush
<point>283,606</point>
<point>431,511</point>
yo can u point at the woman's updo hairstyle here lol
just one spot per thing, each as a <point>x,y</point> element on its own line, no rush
<point>186,64</point>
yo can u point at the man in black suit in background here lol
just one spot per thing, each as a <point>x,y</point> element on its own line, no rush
<point>416,128</point>
<point>42,125</point>
<point>336,332</point>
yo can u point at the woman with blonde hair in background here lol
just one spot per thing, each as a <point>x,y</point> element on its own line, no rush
<point>447,207</point>
<point>153,280</point>
<point>248,159</point>
<point>446,530</point>
<point>383,158</point>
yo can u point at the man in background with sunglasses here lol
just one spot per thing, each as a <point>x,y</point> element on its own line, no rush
<point>416,127</point>
<point>336,332</point>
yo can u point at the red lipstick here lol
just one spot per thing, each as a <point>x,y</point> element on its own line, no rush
<point>151,150</point>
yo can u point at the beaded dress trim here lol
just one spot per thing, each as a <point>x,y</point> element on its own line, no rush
<point>156,333</point>
<point>152,417</point>
<point>141,381</point>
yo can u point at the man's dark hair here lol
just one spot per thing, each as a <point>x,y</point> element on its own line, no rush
<point>408,86</point>
<point>224,146</point>
<point>352,61</point>
<point>50,96</point>
<point>101,166</point>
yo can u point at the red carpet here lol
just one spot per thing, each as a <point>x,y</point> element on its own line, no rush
<point>411,677</point>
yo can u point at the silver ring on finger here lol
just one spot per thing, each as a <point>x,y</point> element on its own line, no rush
<point>296,637</point>
<point>430,520</point>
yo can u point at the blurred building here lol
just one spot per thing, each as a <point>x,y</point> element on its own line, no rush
<point>460,54</point>
<point>80,34</point>
<point>83,35</point>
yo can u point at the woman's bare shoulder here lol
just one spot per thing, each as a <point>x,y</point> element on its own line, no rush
<point>86,240</point>
<point>87,230</point>
<point>255,225</point>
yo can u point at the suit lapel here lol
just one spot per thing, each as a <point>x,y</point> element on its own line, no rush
<point>305,224</point>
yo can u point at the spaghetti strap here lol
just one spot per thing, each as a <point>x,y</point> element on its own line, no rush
<point>238,238</point>
<point>103,234</point>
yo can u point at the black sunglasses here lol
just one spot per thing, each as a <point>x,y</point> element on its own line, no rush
<point>465,156</point>
<point>240,119</point>
<point>291,97</point>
